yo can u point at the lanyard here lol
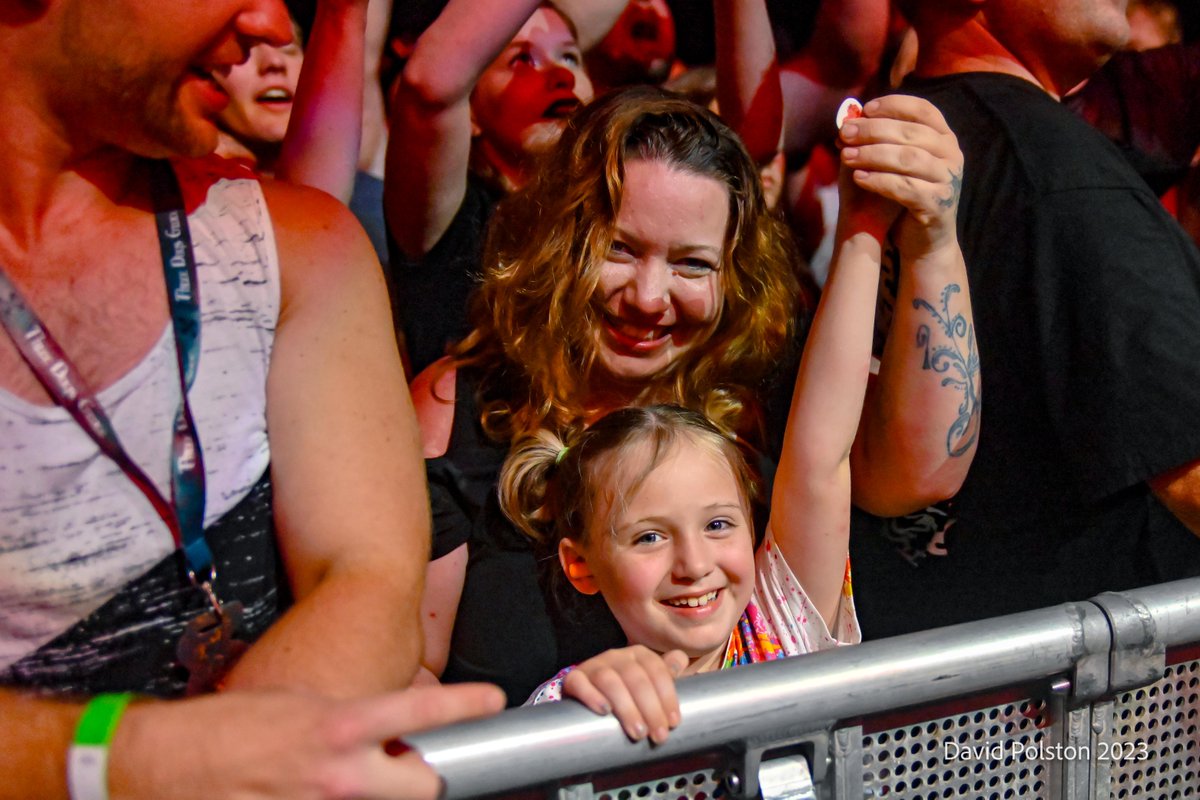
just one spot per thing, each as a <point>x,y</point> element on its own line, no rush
<point>184,514</point>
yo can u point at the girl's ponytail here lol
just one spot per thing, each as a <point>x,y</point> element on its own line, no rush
<point>526,493</point>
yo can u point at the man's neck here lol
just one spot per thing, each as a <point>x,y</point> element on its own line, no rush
<point>45,165</point>
<point>970,47</point>
<point>39,187</point>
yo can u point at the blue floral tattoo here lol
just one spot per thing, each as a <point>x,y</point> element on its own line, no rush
<point>958,362</point>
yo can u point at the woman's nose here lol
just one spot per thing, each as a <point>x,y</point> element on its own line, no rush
<point>650,288</point>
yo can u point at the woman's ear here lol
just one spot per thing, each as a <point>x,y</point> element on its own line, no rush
<point>575,566</point>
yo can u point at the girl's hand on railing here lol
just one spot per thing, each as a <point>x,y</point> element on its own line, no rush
<point>635,684</point>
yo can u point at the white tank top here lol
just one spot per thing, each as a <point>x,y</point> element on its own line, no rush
<point>73,527</point>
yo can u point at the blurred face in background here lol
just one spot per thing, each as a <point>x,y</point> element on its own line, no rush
<point>520,104</point>
<point>1153,23</point>
<point>640,48</point>
<point>261,91</point>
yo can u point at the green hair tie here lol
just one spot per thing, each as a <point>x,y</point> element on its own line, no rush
<point>561,455</point>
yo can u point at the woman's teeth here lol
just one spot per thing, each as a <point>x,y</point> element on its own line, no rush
<point>638,332</point>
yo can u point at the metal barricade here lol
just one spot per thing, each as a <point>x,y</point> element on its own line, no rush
<point>1098,699</point>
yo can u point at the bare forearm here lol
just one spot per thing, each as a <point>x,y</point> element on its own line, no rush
<point>811,498</point>
<point>833,371</point>
<point>357,633</point>
<point>454,51</point>
<point>325,129</point>
<point>374,123</point>
<point>34,738</point>
<point>920,426</point>
<point>748,90</point>
<point>429,144</point>
<point>593,18</point>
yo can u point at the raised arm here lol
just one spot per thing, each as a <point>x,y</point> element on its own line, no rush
<point>920,426</point>
<point>374,123</point>
<point>430,141</point>
<point>351,510</point>
<point>593,18</point>
<point>841,56</point>
<point>748,89</point>
<point>901,155</point>
<point>322,142</point>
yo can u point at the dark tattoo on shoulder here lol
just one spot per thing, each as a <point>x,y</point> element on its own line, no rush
<point>955,190</point>
<point>958,362</point>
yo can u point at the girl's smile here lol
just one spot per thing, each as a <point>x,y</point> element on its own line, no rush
<point>676,566</point>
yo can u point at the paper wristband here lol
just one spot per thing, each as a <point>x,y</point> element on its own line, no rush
<point>87,757</point>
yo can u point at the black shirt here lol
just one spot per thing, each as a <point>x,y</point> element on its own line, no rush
<point>1087,310</point>
<point>430,294</point>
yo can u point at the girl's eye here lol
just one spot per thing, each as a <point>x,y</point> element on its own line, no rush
<point>649,537</point>
<point>720,525</point>
<point>572,57</point>
<point>521,57</point>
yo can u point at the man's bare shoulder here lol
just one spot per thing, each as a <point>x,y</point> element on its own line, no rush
<point>318,238</point>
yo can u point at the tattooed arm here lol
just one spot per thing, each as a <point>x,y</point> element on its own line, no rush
<point>920,424</point>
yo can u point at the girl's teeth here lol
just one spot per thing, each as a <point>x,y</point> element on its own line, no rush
<point>694,602</point>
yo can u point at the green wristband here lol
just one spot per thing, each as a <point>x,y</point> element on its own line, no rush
<point>87,758</point>
<point>100,718</point>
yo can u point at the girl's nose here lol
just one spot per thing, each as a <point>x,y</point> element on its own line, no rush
<point>693,559</point>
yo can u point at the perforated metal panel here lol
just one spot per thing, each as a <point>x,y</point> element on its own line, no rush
<point>1156,738</point>
<point>988,754</point>
<point>698,785</point>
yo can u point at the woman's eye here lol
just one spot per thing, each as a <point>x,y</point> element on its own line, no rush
<point>695,266</point>
<point>572,57</point>
<point>522,57</point>
<point>620,250</point>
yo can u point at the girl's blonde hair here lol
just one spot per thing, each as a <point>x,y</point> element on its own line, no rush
<point>552,488</point>
<point>535,313</point>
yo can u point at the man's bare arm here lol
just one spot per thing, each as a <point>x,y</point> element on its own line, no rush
<point>351,508</point>
<point>239,744</point>
<point>920,424</point>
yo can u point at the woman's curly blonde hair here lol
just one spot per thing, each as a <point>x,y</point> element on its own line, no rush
<point>536,312</point>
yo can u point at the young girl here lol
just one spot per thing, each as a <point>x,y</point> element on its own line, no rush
<point>650,507</point>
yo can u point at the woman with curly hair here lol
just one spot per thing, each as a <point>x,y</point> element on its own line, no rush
<point>638,266</point>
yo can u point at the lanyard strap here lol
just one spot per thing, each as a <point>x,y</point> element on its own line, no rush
<point>184,515</point>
